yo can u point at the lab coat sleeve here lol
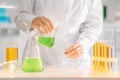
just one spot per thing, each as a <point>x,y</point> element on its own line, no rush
<point>24,15</point>
<point>92,27</point>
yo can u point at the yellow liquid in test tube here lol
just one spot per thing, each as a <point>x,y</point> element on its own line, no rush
<point>105,52</point>
<point>102,51</point>
<point>101,54</point>
<point>108,56</point>
<point>95,55</point>
<point>94,62</point>
<point>98,53</point>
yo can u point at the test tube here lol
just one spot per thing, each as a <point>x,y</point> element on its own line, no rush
<point>107,55</point>
<point>113,55</point>
<point>98,55</point>
<point>101,55</point>
<point>94,54</point>
<point>104,56</point>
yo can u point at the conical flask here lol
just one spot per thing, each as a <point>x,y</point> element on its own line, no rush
<point>32,61</point>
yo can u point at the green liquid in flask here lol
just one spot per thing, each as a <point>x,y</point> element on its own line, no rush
<point>32,65</point>
<point>46,41</point>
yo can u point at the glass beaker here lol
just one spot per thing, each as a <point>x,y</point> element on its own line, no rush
<point>32,61</point>
<point>46,39</point>
<point>11,53</point>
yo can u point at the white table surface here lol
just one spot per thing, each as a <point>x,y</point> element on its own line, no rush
<point>58,72</point>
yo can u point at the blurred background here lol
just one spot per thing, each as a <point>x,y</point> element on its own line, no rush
<point>10,34</point>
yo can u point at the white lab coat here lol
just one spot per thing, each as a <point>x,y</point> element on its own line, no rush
<point>76,20</point>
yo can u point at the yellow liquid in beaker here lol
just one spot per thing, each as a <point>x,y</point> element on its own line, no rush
<point>11,54</point>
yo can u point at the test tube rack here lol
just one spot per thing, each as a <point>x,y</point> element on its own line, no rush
<point>104,59</point>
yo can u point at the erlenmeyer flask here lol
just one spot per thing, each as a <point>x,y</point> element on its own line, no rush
<point>32,61</point>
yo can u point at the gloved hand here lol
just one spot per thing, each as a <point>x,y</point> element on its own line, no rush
<point>42,24</point>
<point>74,51</point>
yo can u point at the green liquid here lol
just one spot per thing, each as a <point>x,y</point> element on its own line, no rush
<point>32,65</point>
<point>46,41</point>
<point>105,11</point>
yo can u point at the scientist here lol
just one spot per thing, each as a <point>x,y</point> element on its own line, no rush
<point>78,22</point>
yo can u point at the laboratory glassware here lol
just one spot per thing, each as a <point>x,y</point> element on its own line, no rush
<point>11,54</point>
<point>31,59</point>
<point>104,57</point>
